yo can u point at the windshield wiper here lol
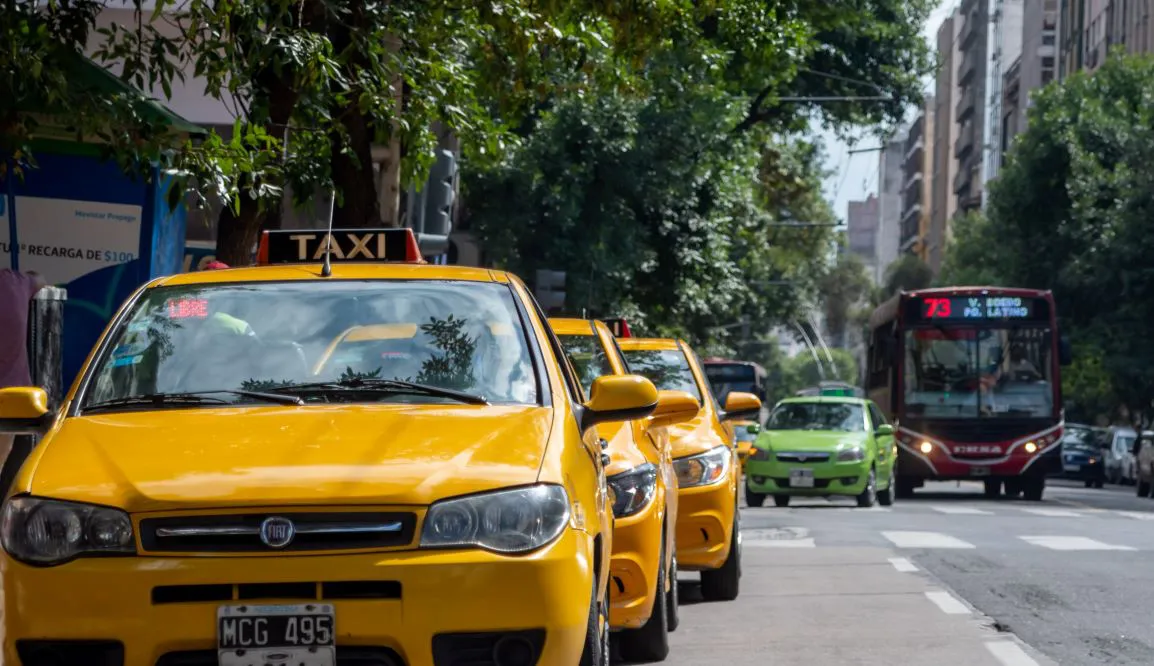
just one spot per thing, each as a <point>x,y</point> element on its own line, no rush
<point>191,398</point>
<point>389,385</point>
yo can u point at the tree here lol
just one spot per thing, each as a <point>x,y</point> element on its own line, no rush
<point>971,259</point>
<point>802,371</point>
<point>842,289</point>
<point>1070,212</point>
<point>908,273</point>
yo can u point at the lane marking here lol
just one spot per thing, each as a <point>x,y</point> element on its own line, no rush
<point>1136,515</point>
<point>962,510</point>
<point>947,603</point>
<point>1071,543</point>
<point>781,543</point>
<point>902,564</point>
<point>925,540</point>
<point>1009,653</point>
<point>1054,513</point>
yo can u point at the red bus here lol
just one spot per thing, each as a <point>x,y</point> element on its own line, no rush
<point>970,376</point>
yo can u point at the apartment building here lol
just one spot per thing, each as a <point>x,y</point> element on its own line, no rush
<point>1005,49</point>
<point>891,186</point>
<point>969,145</point>
<point>944,166</point>
<point>917,170</point>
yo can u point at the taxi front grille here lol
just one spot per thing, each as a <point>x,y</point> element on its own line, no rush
<point>346,656</point>
<point>249,533</point>
<point>802,457</point>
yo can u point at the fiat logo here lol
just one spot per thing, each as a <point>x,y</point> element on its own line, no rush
<point>277,532</point>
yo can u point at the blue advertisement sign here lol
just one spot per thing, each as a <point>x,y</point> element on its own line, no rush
<point>87,227</point>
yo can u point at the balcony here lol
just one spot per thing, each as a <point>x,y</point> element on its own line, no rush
<point>965,140</point>
<point>969,30</point>
<point>915,138</point>
<point>968,67</point>
<point>966,104</point>
<point>962,181</point>
<point>911,226</point>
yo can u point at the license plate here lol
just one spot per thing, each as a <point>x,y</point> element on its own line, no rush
<point>801,478</point>
<point>296,635</point>
<point>979,471</point>
<point>1072,468</point>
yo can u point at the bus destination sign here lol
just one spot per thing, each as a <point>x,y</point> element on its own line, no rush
<point>977,308</point>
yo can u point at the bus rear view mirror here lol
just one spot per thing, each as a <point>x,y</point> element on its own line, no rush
<point>1065,351</point>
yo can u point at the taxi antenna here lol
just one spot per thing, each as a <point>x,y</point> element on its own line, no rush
<point>327,267</point>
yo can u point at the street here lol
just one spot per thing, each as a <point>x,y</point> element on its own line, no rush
<point>944,578</point>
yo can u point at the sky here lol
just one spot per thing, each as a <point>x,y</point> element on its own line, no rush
<point>854,176</point>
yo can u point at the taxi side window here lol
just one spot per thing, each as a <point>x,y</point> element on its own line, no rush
<point>876,416</point>
<point>705,391</point>
<point>568,374</point>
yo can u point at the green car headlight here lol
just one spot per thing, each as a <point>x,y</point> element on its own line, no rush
<point>855,454</point>
<point>761,453</point>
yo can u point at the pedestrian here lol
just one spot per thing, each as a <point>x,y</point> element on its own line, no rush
<point>16,292</point>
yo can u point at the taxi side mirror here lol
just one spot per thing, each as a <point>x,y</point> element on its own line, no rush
<point>24,410</point>
<point>884,430</point>
<point>741,406</point>
<point>618,398</point>
<point>673,407</point>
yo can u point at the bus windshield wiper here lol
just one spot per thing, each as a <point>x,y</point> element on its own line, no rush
<point>191,398</point>
<point>388,385</point>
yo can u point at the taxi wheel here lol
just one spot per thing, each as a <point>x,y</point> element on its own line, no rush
<point>651,641</point>
<point>724,584</point>
<point>596,652</point>
<point>868,496</point>
<point>886,496</point>
<point>672,598</point>
<point>753,498</point>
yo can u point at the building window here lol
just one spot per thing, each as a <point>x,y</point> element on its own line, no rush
<point>1047,76</point>
<point>1047,40</point>
<point>1048,62</point>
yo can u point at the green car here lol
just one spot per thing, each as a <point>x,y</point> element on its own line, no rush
<point>821,447</point>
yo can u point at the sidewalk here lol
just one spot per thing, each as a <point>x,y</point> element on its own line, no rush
<point>838,606</point>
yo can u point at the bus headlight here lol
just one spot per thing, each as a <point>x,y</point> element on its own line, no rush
<point>1031,447</point>
<point>926,447</point>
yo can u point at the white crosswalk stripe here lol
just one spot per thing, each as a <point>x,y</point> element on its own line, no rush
<point>1071,543</point>
<point>925,540</point>
<point>961,510</point>
<point>1136,515</point>
<point>1054,513</point>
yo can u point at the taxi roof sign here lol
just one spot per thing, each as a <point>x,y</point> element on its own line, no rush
<point>306,246</point>
<point>619,327</point>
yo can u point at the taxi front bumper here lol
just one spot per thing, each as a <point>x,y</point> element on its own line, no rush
<point>399,607</point>
<point>705,517</point>
<point>829,478</point>
<point>634,565</point>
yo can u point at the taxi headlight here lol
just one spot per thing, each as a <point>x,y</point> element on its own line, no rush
<point>633,489</point>
<point>703,468</point>
<point>50,532</point>
<point>855,454</point>
<point>506,521</point>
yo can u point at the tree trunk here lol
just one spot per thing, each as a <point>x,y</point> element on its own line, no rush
<point>237,233</point>
<point>353,173</point>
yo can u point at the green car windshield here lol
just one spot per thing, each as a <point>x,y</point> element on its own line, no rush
<point>838,416</point>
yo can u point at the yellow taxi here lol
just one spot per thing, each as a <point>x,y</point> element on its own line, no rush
<point>204,495</point>
<point>643,569</point>
<point>705,459</point>
<point>745,432</point>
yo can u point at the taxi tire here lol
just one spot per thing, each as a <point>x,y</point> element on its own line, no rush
<point>596,652</point>
<point>868,496</point>
<point>886,497</point>
<point>672,598</point>
<point>724,584</point>
<point>754,498</point>
<point>650,642</point>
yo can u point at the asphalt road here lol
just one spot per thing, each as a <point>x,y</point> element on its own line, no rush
<point>944,578</point>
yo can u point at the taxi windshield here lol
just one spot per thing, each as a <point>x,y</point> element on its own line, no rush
<point>262,337</point>
<point>839,416</point>
<point>667,369</point>
<point>587,357</point>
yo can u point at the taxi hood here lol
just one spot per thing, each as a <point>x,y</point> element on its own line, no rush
<point>276,456</point>
<point>821,441</point>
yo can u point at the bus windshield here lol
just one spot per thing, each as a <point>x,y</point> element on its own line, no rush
<point>725,378</point>
<point>967,372</point>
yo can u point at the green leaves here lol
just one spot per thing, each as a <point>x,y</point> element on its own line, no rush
<point>1070,212</point>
